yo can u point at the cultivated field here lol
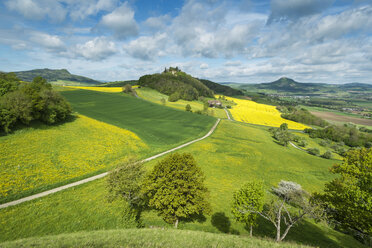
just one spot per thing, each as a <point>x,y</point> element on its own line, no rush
<point>35,158</point>
<point>329,116</point>
<point>236,152</point>
<point>157,126</point>
<point>100,89</point>
<point>260,114</point>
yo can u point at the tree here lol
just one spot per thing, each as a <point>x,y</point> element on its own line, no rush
<point>348,198</point>
<point>282,134</point>
<point>125,182</point>
<point>175,188</point>
<point>291,206</point>
<point>251,194</point>
<point>162,100</point>
<point>127,88</point>
<point>188,108</point>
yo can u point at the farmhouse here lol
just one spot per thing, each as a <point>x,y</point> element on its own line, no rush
<point>214,103</point>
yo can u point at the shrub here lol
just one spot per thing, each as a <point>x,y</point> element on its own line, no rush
<point>174,97</point>
<point>313,151</point>
<point>327,155</point>
<point>188,108</point>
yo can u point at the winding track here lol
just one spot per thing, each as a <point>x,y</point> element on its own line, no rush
<point>89,179</point>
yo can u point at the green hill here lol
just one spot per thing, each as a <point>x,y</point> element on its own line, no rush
<point>132,238</point>
<point>221,89</point>
<point>289,85</point>
<point>176,84</point>
<point>54,75</point>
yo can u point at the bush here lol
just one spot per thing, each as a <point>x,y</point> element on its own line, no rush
<point>302,143</point>
<point>174,97</point>
<point>323,143</point>
<point>313,151</point>
<point>188,108</point>
<point>327,155</point>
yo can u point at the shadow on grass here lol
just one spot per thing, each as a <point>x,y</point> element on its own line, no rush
<point>36,124</point>
<point>306,233</point>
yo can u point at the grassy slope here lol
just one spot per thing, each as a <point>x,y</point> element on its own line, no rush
<point>155,97</point>
<point>232,155</point>
<point>60,153</point>
<point>159,127</point>
<point>132,238</point>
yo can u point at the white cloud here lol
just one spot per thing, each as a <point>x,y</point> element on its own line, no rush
<point>204,66</point>
<point>50,42</point>
<point>97,49</point>
<point>38,9</point>
<point>147,47</point>
<point>155,24</point>
<point>82,9</point>
<point>121,22</point>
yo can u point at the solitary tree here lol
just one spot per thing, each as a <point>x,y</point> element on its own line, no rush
<point>348,198</point>
<point>291,206</point>
<point>251,196</point>
<point>125,182</point>
<point>127,88</point>
<point>175,188</point>
<point>188,108</point>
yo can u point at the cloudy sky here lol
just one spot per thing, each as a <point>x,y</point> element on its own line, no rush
<point>242,41</point>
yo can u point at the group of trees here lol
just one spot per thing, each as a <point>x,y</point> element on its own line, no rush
<point>301,115</point>
<point>349,135</point>
<point>346,202</point>
<point>22,102</point>
<point>174,188</point>
<point>177,85</point>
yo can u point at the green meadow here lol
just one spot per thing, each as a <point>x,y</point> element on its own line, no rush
<point>157,126</point>
<point>155,97</point>
<point>235,153</point>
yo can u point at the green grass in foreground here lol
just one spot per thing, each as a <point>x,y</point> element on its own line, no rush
<point>40,157</point>
<point>158,126</point>
<point>155,97</point>
<point>155,238</point>
<point>233,154</point>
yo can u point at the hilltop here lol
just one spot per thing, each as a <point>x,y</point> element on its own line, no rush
<point>176,84</point>
<point>221,89</point>
<point>54,75</point>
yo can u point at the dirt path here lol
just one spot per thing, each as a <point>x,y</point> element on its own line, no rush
<point>45,193</point>
<point>227,113</point>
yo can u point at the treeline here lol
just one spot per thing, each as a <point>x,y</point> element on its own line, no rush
<point>21,103</point>
<point>221,89</point>
<point>177,85</point>
<point>301,115</point>
<point>119,83</point>
<point>350,135</point>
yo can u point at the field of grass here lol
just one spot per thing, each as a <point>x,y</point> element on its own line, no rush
<point>155,97</point>
<point>235,153</point>
<point>155,238</point>
<point>260,114</point>
<point>314,143</point>
<point>34,158</point>
<point>158,127</point>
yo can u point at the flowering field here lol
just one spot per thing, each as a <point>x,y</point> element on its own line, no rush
<point>261,114</point>
<point>34,158</point>
<point>101,89</point>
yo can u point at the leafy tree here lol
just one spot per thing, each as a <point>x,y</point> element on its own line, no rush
<point>281,134</point>
<point>175,188</point>
<point>251,194</point>
<point>8,83</point>
<point>163,101</point>
<point>174,97</point>
<point>313,151</point>
<point>125,182</point>
<point>188,108</point>
<point>127,88</point>
<point>291,206</point>
<point>348,198</point>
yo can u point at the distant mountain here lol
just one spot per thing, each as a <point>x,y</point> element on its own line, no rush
<point>176,84</point>
<point>289,85</point>
<point>221,89</point>
<point>54,75</point>
<point>356,86</point>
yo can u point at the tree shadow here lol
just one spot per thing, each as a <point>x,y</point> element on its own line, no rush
<point>36,124</point>
<point>221,222</point>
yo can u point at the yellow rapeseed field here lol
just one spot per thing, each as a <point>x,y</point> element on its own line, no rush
<point>36,157</point>
<point>261,114</point>
<point>101,89</point>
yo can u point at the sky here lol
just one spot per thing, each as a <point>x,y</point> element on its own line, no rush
<point>243,41</point>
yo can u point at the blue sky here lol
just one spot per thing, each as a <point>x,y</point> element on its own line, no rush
<point>242,41</point>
